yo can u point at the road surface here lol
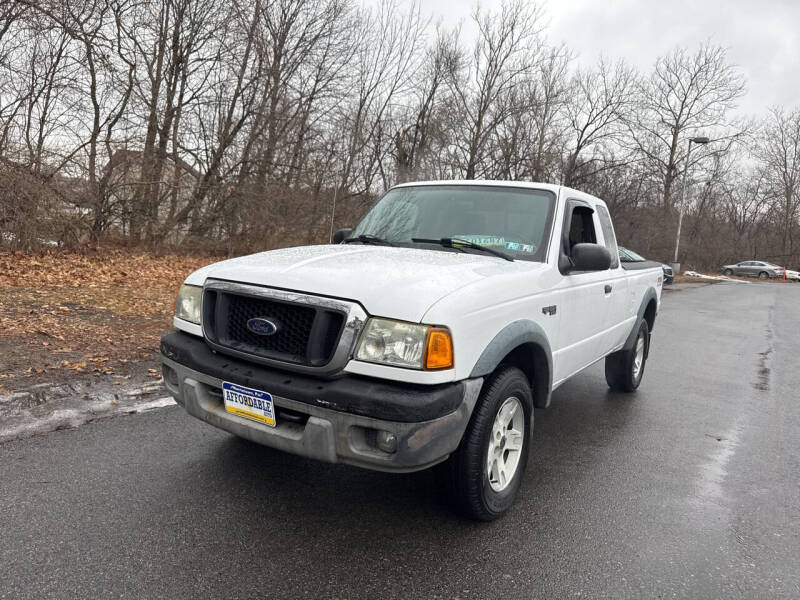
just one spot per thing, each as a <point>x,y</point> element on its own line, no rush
<point>688,489</point>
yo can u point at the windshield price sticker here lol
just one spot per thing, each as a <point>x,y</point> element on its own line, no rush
<point>249,403</point>
<point>494,241</point>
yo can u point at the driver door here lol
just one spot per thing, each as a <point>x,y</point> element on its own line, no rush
<point>583,302</point>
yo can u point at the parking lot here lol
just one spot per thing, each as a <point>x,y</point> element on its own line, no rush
<point>687,489</point>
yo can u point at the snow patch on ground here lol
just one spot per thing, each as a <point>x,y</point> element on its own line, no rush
<point>46,407</point>
<point>160,403</point>
<point>712,277</point>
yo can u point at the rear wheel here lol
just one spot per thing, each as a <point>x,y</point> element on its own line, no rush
<point>485,473</point>
<point>625,369</point>
<point>763,275</point>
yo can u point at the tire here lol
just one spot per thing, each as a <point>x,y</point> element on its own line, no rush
<point>763,275</point>
<point>466,473</point>
<point>622,372</point>
<point>727,272</point>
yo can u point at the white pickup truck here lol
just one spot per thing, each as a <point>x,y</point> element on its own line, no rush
<point>425,335</point>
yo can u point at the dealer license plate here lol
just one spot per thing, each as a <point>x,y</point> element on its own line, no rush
<point>249,403</point>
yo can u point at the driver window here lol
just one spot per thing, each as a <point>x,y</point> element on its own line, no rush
<point>581,227</point>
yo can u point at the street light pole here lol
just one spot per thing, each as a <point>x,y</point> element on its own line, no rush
<point>696,140</point>
<point>333,212</point>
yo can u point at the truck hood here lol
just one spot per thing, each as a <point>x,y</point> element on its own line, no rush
<point>401,283</point>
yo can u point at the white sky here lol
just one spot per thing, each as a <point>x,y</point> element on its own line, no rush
<point>762,36</point>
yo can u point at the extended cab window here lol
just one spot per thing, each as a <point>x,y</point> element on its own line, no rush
<point>609,239</point>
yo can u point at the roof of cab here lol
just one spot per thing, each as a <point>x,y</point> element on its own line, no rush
<point>556,189</point>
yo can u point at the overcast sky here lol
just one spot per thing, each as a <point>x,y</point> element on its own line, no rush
<point>762,36</point>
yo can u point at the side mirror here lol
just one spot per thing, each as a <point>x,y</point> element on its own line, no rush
<point>590,257</point>
<point>341,235</point>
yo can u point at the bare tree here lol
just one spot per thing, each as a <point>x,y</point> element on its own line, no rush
<point>504,55</point>
<point>687,94</point>
<point>47,82</point>
<point>387,56</point>
<point>413,140</point>
<point>601,102</point>
<point>294,31</point>
<point>744,205</point>
<point>779,155</point>
<point>171,43</point>
<point>12,95</point>
<point>236,97</point>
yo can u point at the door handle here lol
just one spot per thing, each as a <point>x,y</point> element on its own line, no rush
<point>608,289</point>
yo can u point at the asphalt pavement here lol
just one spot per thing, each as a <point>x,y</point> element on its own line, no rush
<point>689,488</point>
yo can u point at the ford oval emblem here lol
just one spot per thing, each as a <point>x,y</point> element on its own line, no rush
<point>262,326</point>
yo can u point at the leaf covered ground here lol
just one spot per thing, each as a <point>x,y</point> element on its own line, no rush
<point>98,313</point>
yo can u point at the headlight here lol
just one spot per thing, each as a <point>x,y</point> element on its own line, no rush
<point>408,345</point>
<point>188,303</point>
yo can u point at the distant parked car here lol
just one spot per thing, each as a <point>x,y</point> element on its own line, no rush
<point>669,274</point>
<point>629,256</point>
<point>754,268</point>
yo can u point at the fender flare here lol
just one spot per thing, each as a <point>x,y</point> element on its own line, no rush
<point>509,338</point>
<point>650,294</point>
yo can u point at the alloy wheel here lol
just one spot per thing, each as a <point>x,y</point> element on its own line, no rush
<point>505,444</point>
<point>638,358</point>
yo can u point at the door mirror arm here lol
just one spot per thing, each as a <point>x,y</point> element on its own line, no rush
<point>341,235</point>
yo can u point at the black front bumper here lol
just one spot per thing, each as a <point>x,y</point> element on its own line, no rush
<point>374,398</point>
<point>335,420</point>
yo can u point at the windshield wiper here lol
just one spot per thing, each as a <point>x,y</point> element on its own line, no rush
<point>367,238</point>
<point>459,244</point>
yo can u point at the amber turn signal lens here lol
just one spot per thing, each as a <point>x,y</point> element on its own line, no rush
<point>439,353</point>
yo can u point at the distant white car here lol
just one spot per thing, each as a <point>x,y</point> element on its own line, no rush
<point>793,275</point>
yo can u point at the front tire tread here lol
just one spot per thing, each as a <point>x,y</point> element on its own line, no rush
<point>466,469</point>
<point>619,365</point>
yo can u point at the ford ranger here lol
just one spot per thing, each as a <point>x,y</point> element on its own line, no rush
<point>424,336</point>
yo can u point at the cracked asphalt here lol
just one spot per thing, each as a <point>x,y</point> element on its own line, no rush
<point>687,489</point>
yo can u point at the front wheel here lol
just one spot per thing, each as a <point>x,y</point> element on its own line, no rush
<point>727,272</point>
<point>625,368</point>
<point>486,471</point>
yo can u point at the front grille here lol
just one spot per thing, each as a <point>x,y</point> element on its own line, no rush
<point>305,335</point>
<point>294,325</point>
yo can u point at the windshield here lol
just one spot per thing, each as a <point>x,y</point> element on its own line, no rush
<point>626,255</point>
<point>514,220</point>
